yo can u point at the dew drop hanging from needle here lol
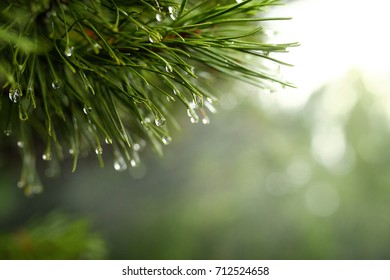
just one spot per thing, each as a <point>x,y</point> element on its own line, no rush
<point>87,109</point>
<point>120,163</point>
<point>168,68</point>
<point>55,84</point>
<point>166,140</point>
<point>159,121</point>
<point>15,94</point>
<point>99,150</point>
<point>173,13</point>
<point>69,51</point>
<point>159,16</point>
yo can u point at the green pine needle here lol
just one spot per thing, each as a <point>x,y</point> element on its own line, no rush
<point>80,75</point>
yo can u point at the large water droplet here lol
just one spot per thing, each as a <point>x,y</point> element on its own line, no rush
<point>69,51</point>
<point>152,40</point>
<point>160,121</point>
<point>159,16</point>
<point>55,84</point>
<point>71,151</point>
<point>15,94</point>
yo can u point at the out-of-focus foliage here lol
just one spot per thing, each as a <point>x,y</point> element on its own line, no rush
<point>56,236</point>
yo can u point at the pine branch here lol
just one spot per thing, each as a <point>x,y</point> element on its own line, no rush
<point>80,75</point>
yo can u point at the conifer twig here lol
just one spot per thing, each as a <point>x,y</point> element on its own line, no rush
<point>77,76</point>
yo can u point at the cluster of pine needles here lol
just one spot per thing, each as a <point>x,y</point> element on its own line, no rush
<point>87,76</point>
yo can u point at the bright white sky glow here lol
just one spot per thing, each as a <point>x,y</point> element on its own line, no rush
<point>335,36</point>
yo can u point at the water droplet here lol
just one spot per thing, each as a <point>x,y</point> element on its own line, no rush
<point>96,47</point>
<point>145,122</point>
<point>20,144</point>
<point>23,116</point>
<point>120,164</point>
<point>170,99</point>
<point>87,109</point>
<point>166,140</point>
<point>99,150</point>
<point>71,151</point>
<point>190,71</point>
<point>133,163</point>
<point>168,68</point>
<point>159,16</point>
<point>108,140</point>
<point>55,84</point>
<point>194,120</point>
<point>173,13</point>
<point>69,51</point>
<point>8,130</point>
<point>193,115</point>
<point>198,100</point>
<point>21,183</point>
<point>176,92</point>
<point>15,94</point>
<point>46,156</point>
<point>159,121</point>
<point>136,147</point>
<point>205,120</point>
<point>151,39</point>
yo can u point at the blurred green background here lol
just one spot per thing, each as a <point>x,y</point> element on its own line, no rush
<point>288,175</point>
<point>259,182</point>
